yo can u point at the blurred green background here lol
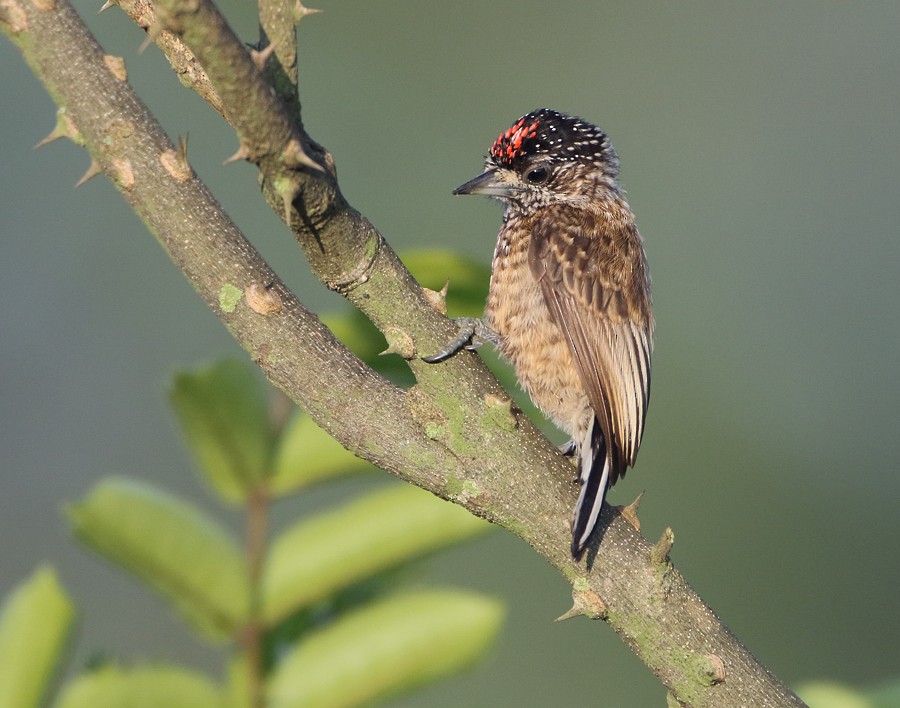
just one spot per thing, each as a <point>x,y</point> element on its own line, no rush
<point>760,149</point>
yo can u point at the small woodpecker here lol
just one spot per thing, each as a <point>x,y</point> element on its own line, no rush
<point>569,302</point>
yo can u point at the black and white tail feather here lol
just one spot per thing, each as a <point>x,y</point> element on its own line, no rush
<point>594,465</point>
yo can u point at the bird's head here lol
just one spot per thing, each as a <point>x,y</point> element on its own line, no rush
<point>547,157</point>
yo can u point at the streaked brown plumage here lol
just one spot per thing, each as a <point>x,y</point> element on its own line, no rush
<point>569,298</point>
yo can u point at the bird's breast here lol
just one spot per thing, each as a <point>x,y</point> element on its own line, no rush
<point>530,339</point>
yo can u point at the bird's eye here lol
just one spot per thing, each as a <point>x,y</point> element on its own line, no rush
<point>538,175</point>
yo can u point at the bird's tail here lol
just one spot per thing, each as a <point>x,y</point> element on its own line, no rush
<point>595,464</point>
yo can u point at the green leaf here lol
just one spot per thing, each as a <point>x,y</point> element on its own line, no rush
<point>319,556</point>
<point>830,694</point>
<point>223,412</point>
<point>386,648</point>
<point>35,621</point>
<point>307,455</point>
<point>170,545</point>
<point>141,687</point>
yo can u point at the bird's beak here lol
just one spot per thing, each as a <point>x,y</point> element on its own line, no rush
<point>489,183</point>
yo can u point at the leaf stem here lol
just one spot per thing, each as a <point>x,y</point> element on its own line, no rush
<point>255,546</point>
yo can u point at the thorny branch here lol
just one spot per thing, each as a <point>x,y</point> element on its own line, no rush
<point>456,432</point>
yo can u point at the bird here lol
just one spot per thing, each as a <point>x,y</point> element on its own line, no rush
<point>569,302</point>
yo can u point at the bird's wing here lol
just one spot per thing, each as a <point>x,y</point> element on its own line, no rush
<point>593,278</point>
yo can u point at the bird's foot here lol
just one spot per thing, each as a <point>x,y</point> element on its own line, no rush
<point>569,449</point>
<point>473,332</point>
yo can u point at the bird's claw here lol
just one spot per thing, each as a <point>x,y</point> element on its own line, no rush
<point>473,332</point>
<point>569,449</point>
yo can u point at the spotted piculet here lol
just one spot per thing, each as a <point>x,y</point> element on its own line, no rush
<point>569,297</point>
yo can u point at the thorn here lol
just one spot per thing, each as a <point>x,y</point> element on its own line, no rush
<point>176,162</point>
<point>575,611</point>
<point>286,188</point>
<point>54,134</point>
<point>287,198</point>
<point>586,603</point>
<point>635,505</point>
<point>260,57</point>
<point>183,146</point>
<point>108,4</point>
<point>659,554</point>
<point>390,349</point>
<point>92,172</point>
<point>629,513</point>
<point>64,128</point>
<point>241,154</point>
<point>399,342</point>
<point>300,11</point>
<point>294,156</point>
<point>153,32</point>
<point>437,298</point>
